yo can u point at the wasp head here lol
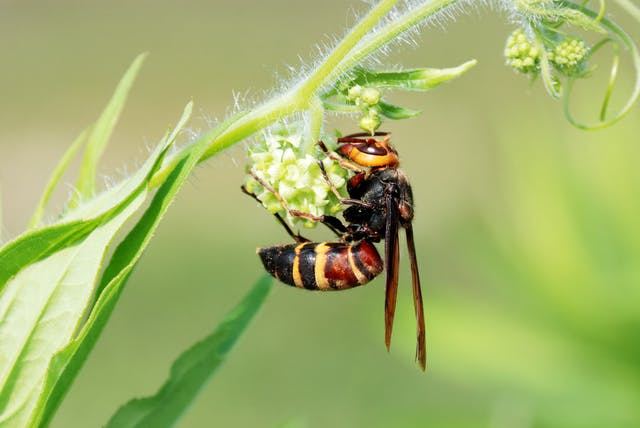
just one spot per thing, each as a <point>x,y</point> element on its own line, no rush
<point>368,151</point>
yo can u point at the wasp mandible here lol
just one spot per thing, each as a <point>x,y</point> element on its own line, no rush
<point>380,201</point>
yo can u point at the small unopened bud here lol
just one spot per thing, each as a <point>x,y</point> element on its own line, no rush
<point>370,123</point>
<point>370,96</point>
<point>354,92</point>
<point>569,55</point>
<point>521,54</point>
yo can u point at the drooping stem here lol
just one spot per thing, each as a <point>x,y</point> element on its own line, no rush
<point>386,34</point>
<point>301,95</point>
<point>632,98</point>
<point>322,74</point>
<point>358,44</point>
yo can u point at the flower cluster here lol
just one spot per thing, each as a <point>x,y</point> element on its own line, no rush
<point>296,177</point>
<point>566,55</point>
<point>367,98</point>
<point>521,55</point>
<point>569,54</point>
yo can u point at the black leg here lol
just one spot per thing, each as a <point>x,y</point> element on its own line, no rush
<point>296,237</point>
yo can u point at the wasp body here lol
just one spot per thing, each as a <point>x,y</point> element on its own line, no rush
<point>323,265</point>
<point>380,200</point>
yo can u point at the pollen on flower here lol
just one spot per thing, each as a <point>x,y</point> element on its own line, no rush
<point>294,174</point>
<point>521,54</point>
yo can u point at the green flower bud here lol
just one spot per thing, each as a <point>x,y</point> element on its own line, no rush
<point>568,55</point>
<point>521,54</point>
<point>370,96</point>
<point>370,123</point>
<point>354,93</point>
<point>278,161</point>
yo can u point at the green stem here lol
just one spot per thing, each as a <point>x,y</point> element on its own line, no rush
<point>316,115</point>
<point>374,41</point>
<point>322,75</point>
<point>632,98</point>
<point>545,69</point>
<point>351,50</point>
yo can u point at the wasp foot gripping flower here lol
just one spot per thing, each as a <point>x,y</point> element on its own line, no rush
<point>568,56</point>
<point>521,54</point>
<point>295,176</point>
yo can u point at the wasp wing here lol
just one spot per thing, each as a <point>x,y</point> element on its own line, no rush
<point>421,347</point>
<point>391,261</point>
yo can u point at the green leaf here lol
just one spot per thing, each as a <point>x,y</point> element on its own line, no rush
<point>68,361</point>
<point>71,229</point>
<point>37,245</point>
<point>41,309</point>
<point>396,112</point>
<point>55,178</point>
<point>192,370</point>
<point>44,303</point>
<point>101,131</point>
<point>421,79</point>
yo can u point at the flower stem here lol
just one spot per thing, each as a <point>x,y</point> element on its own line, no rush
<point>386,34</point>
<point>321,75</point>
<point>352,49</point>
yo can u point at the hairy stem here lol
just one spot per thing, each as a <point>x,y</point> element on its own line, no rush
<point>355,47</point>
<point>393,29</point>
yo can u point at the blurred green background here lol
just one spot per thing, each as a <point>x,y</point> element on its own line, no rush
<point>527,229</point>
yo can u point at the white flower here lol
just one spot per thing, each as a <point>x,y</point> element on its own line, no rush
<point>278,161</point>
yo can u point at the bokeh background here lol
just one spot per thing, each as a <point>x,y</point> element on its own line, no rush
<point>528,229</point>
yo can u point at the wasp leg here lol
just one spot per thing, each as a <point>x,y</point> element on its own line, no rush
<point>344,201</point>
<point>334,224</point>
<point>296,236</point>
<point>343,162</point>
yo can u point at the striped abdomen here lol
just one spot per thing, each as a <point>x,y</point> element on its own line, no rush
<point>323,265</point>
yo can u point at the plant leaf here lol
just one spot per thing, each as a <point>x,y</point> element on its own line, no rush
<point>42,306</point>
<point>396,112</point>
<point>100,132</point>
<point>39,244</point>
<point>55,178</point>
<point>421,79</point>
<point>68,361</point>
<point>192,369</point>
<point>41,309</point>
